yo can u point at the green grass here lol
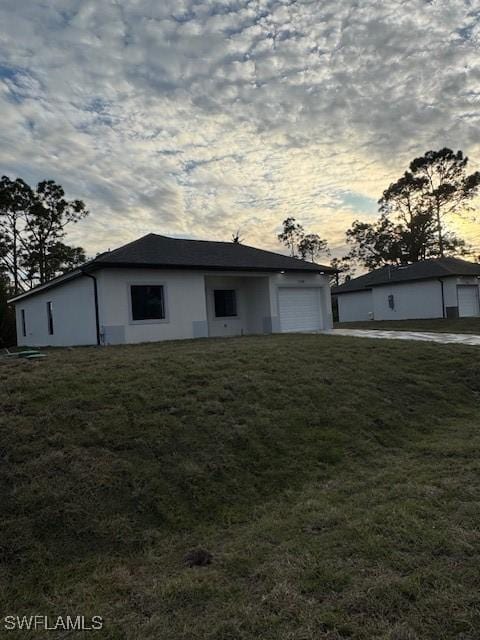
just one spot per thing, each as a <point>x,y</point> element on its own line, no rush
<point>335,481</point>
<point>453,325</point>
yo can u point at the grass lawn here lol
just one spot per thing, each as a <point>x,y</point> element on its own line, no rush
<point>336,481</point>
<point>454,325</point>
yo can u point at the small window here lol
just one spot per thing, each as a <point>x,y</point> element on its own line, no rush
<point>148,302</point>
<point>391,301</point>
<point>50,318</point>
<point>24,324</point>
<point>225,303</point>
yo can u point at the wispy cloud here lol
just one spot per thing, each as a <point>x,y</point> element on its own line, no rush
<point>198,117</point>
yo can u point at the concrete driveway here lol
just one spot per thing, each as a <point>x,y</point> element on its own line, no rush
<point>444,338</point>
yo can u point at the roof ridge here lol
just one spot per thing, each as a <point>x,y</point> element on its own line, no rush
<point>158,235</point>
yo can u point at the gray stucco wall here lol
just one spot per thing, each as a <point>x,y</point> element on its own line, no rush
<point>233,325</point>
<point>188,301</point>
<point>73,316</point>
<point>422,299</point>
<point>357,305</point>
<point>186,313</point>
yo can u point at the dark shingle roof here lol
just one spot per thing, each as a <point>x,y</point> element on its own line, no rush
<point>160,251</point>
<point>434,268</point>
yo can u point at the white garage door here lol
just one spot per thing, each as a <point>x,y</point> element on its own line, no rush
<point>299,309</point>
<point>468,304</point>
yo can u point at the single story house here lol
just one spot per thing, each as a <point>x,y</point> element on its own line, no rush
<point>160,288</point>
<point>436,288</point>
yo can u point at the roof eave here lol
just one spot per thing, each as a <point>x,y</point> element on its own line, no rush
<point>356,290</point>
<point>429,277</point>
<point>48,285</point>
<point>146,265</point>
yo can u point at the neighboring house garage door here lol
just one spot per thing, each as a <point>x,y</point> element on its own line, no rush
<point>468,304</point>
<point>299,309</point>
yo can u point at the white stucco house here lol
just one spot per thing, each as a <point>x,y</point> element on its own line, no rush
<point>437,288</point>
<point>160,288</point>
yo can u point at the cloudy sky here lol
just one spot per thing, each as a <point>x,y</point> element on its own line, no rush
<point>197,117</point>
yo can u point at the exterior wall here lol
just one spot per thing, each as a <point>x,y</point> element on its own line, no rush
<point>301,280</point>
<point>258,310</point>
<point>231,326</point>
<point>451,292</point>
<point>186,315</point>
<point>73,316</point>
<point>421,299</point>
<point>189,306</point>
<point>354,306</point>
<point>253,305</point>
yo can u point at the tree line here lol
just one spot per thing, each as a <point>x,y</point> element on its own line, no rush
<point>413,224</point>
<point>33,224</point>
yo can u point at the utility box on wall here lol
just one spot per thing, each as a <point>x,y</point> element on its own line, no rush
<point>451,312</point>
<point>113,334</point>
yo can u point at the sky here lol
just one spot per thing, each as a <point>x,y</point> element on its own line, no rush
<point>195,118</point>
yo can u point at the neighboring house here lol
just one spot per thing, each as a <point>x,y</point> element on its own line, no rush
<point>160,288</point>
<point>437,288</point>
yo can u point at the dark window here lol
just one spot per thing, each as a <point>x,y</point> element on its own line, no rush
<point>50,318</point>
<point>391,301</point>
<point>225,303</point>
<point>24,325</point>
<point>148,302</point>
